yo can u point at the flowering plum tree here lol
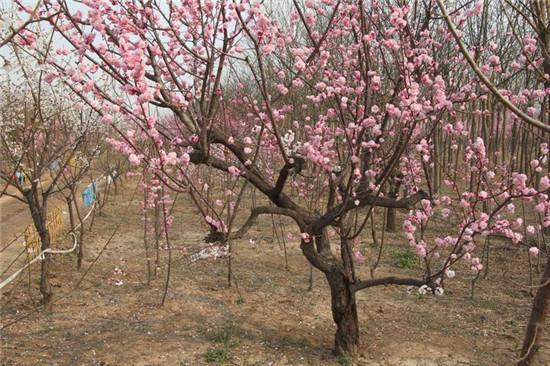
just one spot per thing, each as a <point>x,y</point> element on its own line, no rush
<point>321,107</point>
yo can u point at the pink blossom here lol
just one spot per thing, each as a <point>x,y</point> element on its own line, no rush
<point>185,159</point>
<point>421,250</point>
<point>171,158</point>
<point>300,65</point>
<point>134,159</point>
<point>494,60</point>
<point>107,119</point>
<point>234,171</point>
<point>359,257</point>
<point>282,89</point>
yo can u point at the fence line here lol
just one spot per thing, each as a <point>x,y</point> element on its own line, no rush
<point>55,226</point>
<point>41,256</point>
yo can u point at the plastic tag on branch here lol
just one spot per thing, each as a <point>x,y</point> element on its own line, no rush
<point>213,250</point>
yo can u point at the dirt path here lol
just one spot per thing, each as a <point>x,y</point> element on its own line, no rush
<point>14,219</point>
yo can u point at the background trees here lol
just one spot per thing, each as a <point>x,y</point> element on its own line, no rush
<point>44,138</point>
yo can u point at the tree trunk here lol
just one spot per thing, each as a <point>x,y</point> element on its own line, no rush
<point>390,220</point>
<point>38,215</point>
<point>45,288</point>
<point>344,313</point>
<point>71,213</point>
<point>145,237</point>
<point>395,185</point>
<point>80,253</point>
<point>157,238</point>
<point>535,327</point>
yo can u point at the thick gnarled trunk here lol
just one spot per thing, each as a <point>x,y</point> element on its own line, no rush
<point>344,313</point>
<point>343,305</point>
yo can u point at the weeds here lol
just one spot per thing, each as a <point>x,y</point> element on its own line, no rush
<point>219,355</point>
<point>222,354</point>
<point>404,258</point>
<point>344,360</point>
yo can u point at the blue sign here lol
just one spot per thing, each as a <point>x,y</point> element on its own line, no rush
<point>89,194</point>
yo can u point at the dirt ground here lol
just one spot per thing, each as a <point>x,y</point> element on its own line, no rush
<point>268,318</point>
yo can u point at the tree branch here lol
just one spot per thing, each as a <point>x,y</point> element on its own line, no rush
<point>366,199</point>
<point>297,164</point>
<point>385,281</point>
<point>255,212</point>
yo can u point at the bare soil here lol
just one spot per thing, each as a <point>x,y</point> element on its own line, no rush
<point>267,317</point>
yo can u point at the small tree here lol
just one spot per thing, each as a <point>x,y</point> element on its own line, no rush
<point>71,179</point>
